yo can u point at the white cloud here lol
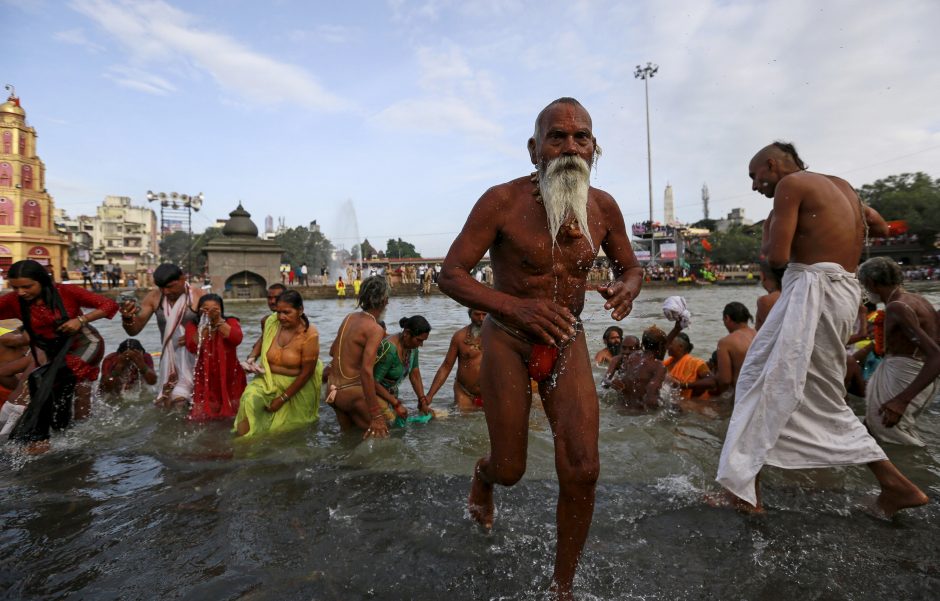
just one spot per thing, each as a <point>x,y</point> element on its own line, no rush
<point>333,34</point>
<point>78,38</point>
<point>456,97</point>
<point>437,116</point>
<point>157,34</point>
<point>136,79</point>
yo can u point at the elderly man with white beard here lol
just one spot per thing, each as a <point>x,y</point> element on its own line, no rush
<point>543,233</point>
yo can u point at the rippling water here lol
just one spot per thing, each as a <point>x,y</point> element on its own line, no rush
<point>137,503</point>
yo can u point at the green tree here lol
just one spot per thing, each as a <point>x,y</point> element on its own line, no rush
<point>181,248</point>
<point>913,197</point>
<point>368,251</point>
<point>737,245</point>
<point>399,249</point>
<point>303,246</point>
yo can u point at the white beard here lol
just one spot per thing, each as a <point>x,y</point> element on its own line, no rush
<point>564,184</point>
<point>474,330</point>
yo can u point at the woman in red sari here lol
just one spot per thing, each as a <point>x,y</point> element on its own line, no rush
<point>219,379</point>
<point>52,316</point>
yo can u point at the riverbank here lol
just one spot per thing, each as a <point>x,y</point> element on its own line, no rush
<point>414,290</point>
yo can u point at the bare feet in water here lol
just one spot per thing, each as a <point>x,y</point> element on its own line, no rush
<point>893,500</point>
<point>480,502</point>
<point>727,499</point>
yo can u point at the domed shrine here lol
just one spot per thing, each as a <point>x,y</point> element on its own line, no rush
<point>244,262</point>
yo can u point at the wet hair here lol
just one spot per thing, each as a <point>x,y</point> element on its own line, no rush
<point>881,271</point>
<point>32,270</point>
<point>48,294</point>
<point>130,344</point>
<point>277,286</point>
<point>617,329</point>
<point>654,339</point>
<point>774,275</point>
<point>789,149</point>
<point>165,274</point>
<point>737,312</point>
<point>216,298</point>
<point>373,293</point>
<point>295,300</point>
<point>416,325</point>
<point>686,342</point>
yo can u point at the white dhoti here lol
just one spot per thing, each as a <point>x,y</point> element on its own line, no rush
<point>789,408</point>
<point>175,360</point>
<point>893,375</point>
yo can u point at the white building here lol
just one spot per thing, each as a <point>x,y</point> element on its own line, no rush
<point>126,234</point>
<point>669,207</point>
<point>735,218</point>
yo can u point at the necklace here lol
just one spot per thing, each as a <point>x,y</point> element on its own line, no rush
<point>289,340</point>
<point>891,296</point>
<point>570,225</point>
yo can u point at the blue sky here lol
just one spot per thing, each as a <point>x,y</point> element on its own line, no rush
<point>411,110</point>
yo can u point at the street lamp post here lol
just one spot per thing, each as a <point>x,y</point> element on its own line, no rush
<point>646,73</point>
<point>179,209</point>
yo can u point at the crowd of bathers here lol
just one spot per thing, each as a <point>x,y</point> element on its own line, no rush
<point>282,378</point>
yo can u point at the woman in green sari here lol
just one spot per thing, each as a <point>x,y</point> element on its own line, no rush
<point>287,394</point>
<point>397,358</point>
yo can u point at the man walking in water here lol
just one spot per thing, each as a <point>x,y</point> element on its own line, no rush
<point>466,350</point>
<point>789,406</point>
<point>543,232</point>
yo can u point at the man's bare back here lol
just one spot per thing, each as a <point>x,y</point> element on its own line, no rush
<point>828,221</point>
<point>734,347</point>
<point>639,380</point>
<point>897,339</point>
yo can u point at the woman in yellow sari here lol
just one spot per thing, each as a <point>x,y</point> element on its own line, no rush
<point>287,394</point>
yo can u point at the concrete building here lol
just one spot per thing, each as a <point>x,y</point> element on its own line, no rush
<point>735,218</point>
<point>27,228</point>
<point>80,232</point>
<point>240,264</point>
<point>125,234</point>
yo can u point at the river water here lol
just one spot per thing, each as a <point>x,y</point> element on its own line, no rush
<point>138,503</point>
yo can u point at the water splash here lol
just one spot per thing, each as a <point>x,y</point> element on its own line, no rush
<point>345,236</point>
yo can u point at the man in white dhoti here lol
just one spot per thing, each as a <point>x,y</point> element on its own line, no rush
<point>174,303</point>
<point>905,381</point>
<point>789,407</point>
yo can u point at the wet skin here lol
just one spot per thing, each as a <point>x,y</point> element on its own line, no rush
<point>539,287</point>
<point>818,218</point>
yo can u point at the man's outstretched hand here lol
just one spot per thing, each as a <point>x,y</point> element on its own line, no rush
<point>619,297</point>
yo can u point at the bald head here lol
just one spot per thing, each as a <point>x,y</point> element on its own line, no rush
<point>539,125</point>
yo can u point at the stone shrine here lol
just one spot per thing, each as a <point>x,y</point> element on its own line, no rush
<point>239,259</point>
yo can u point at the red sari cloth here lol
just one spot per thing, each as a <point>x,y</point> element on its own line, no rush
<point>219,379</point>
<point>84,354</point>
